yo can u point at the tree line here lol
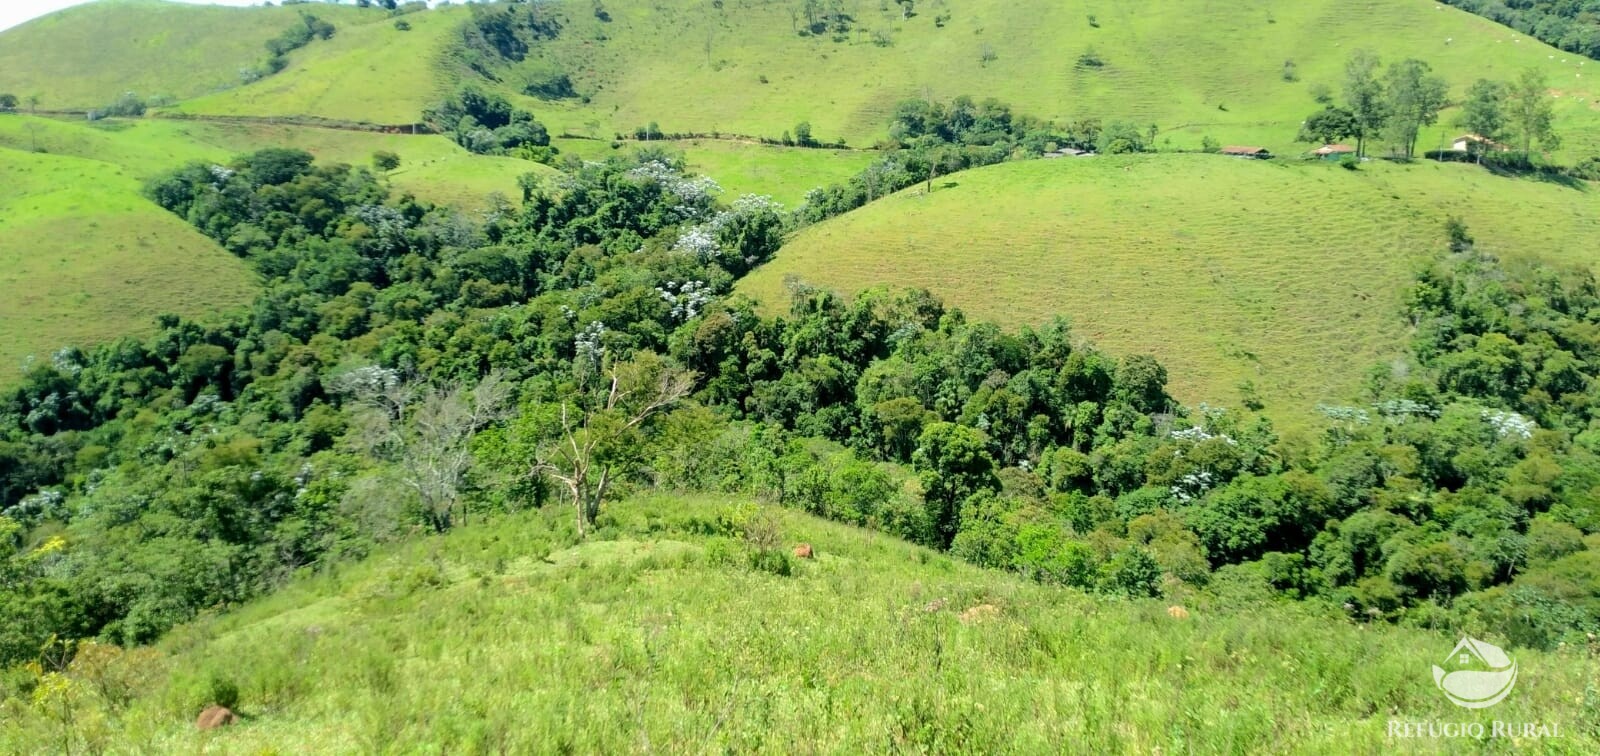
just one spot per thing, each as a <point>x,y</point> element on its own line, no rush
<point>1394,103</point>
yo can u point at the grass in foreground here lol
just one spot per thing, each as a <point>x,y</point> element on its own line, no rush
<point>506,637</point>
<point>1283,274</point>
<point>85,259</point>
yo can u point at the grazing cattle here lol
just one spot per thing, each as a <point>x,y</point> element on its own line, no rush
<point>214,717</point>
<point>1177,612</point>
<point>803,551</point>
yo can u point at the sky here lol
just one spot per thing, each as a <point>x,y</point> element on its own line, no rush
<point>13,12</point>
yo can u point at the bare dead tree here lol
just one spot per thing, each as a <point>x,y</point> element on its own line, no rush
<point>426,433</point>
<point>593,444</point>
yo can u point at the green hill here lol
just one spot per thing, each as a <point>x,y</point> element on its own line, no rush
<point>1280,273</point>
<point>84,258</point>
<point>507,637</point>
<point>96,260</point>
<point>372,72</point>
<point>85,56</point>
<point>1214,68</point>
<point>431,167</point>
<point>1240,71</point>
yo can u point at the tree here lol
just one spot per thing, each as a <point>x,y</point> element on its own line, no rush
<point>425,431</point>
<point>1530,113</point>
<point>952,463</point>
<point>1363,94</point>
<point>1120,137</point>
<point>1329,125</point>
<point>385,160</point>
<point>802,134</point>
<point>1483,113</point>
<point>1415,97</point>
<point>585,442</point>
<point>8,102</point>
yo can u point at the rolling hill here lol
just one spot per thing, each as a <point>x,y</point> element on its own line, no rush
<point>85,56</point>
<point>1284,274</point>
<point>507,637</point>
<point>97,260</point>
<point>372,72</point>
<point>1216,67</point>
<point>432,167</point>
<point>1240,71</point>
<point>84,258</point>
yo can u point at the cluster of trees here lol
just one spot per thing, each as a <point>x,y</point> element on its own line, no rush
<point>1393,105</point>
<point>930,139</point>
<point>1572,25</point>
<point>407,367</point>
<point>1519,111</point>
<point>486,123</point>
<point>502,33</point>
<point>295,37</point>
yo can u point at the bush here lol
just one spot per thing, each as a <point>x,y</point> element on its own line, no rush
<point>774,561</point>
<point>1133,571</point>
<point>222,691</point>
<point>550,86</point>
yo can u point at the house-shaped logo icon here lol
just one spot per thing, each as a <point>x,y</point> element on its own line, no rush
<point>1480,674</point>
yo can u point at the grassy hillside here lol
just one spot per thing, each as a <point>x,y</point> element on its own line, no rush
<point>86,56</point>
<point>1214,68</point>
<point>92,259</point>
<point>1284,274</point>
<point>85,259</point>
<point>432,167</point>
<point>508,637</point>
<point>370,72</point>
<point>1194,68</point>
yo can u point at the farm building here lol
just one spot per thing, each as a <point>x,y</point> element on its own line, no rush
<point>1068,152</point>
<point>1249,153</point>
<point>1333,151</point>
<point>1475,143</point>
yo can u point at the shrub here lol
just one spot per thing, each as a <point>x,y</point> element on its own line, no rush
<point>222,691</point>
<point>1133,571</point>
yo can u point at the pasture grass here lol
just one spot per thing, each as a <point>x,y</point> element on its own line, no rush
<point>371,72</point>
<point>85,259</point>
<point>510,636</point>
<point>86,56</point>
<point>1286,274</point>
<point>1192,68</point>
<point>432,167</point>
